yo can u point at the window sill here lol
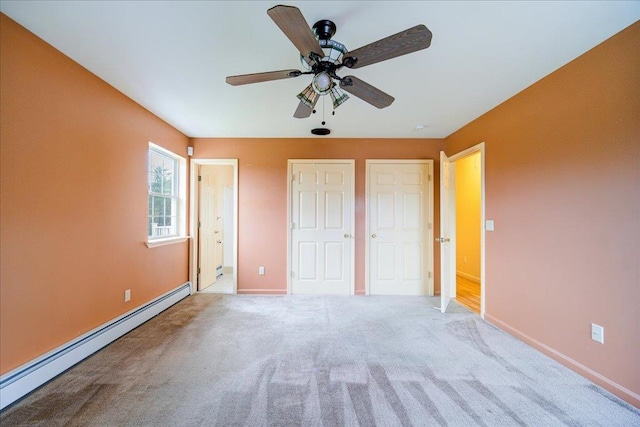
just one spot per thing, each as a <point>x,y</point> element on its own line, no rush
<point>163,242</point>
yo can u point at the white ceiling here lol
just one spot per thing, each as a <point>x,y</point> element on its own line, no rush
<point>172,57</point>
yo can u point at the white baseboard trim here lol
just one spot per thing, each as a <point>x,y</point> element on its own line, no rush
<point>613,387</point>
<point>26,378</point>
<point>262,291</point>
<point>467,276</point>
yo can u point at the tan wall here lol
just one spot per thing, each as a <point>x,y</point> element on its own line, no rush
<point>262,204</point>
<point>74,200</point>
<point>563,186</point>
<point>468,204</point>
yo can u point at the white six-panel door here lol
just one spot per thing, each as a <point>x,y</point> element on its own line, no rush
<point>321,215</point>
<point>207,228</point>
<point>399,209</point>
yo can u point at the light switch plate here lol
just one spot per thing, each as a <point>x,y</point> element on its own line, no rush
<point>489,225</point>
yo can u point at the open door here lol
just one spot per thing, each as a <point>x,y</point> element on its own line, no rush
<point>208,235</point>
<point>447,230</point>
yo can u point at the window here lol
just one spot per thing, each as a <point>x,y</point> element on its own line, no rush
<point>165,182</point>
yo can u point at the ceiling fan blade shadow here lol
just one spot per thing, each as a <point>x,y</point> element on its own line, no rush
<point>261,77</point>
<point>303,111</point>
<point>402,43</point>
<point>295,27</point>
<point>366,92</point>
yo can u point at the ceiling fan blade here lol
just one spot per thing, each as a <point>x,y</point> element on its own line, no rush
<point>261,77</point>
<point>366,92</point>
<point>402,43</point>
<point>303,111</point>
<point>295,27</point>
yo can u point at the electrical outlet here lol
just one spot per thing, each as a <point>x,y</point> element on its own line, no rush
<point>127,295</point>
<point>464,259</point>
<point>261,271</point>
<point>597,333</point>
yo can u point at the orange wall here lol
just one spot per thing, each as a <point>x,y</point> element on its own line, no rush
<point>262,203</point>
<point>73,200</point>
<point>563,186</point>
<point>468,215</point>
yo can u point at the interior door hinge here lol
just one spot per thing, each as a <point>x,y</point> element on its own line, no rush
<point>429,226</point>
<point>293,225</point>
<point>293,177</point>
<point>199,178</point>
<point>429,178</point>
<point>430,275</point>
<point>293,274</point>
<point>199,224</point>
<point>198,270</point>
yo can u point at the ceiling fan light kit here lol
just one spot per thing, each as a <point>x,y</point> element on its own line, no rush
<point>338,97</point>
<point>322,82</point>
<point>323,57</point>
<point>309,96</point>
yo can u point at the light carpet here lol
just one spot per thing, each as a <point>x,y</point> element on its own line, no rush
<point>233,360</point>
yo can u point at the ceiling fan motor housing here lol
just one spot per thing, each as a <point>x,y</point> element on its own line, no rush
<point>333,50</point>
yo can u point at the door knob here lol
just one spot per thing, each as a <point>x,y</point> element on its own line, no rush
<point>374,235</point>
<point>219,241</point>
<point>347,235</point>
<point>443,239</point>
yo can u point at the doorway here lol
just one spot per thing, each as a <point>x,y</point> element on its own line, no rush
<point>462,219</point>
<point>214,230</point>
<point>399,224</point>
<point>468,224</point>
<point>321,222</point>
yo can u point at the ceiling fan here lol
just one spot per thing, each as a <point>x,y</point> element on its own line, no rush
<point>322,57</point>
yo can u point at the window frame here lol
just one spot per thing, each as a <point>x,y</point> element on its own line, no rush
<point>178,197</point>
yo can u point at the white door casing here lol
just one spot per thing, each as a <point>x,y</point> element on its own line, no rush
<point>194,209</point>
<point>399,222</point>
<point>448,213</point>
<point>321,219</point>
<point>228,227</point>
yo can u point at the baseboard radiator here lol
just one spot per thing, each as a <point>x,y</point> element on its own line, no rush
<point>28,377</point>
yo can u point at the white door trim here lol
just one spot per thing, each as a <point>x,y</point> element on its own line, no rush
<point>193,217</point>
<point>290,163</point>
<point>478,148</point>
<point>430,238</point>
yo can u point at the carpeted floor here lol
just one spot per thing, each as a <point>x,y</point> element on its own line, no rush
<point>233,360</point>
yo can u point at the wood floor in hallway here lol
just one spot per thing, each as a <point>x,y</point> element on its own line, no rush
<point>468,293</point>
